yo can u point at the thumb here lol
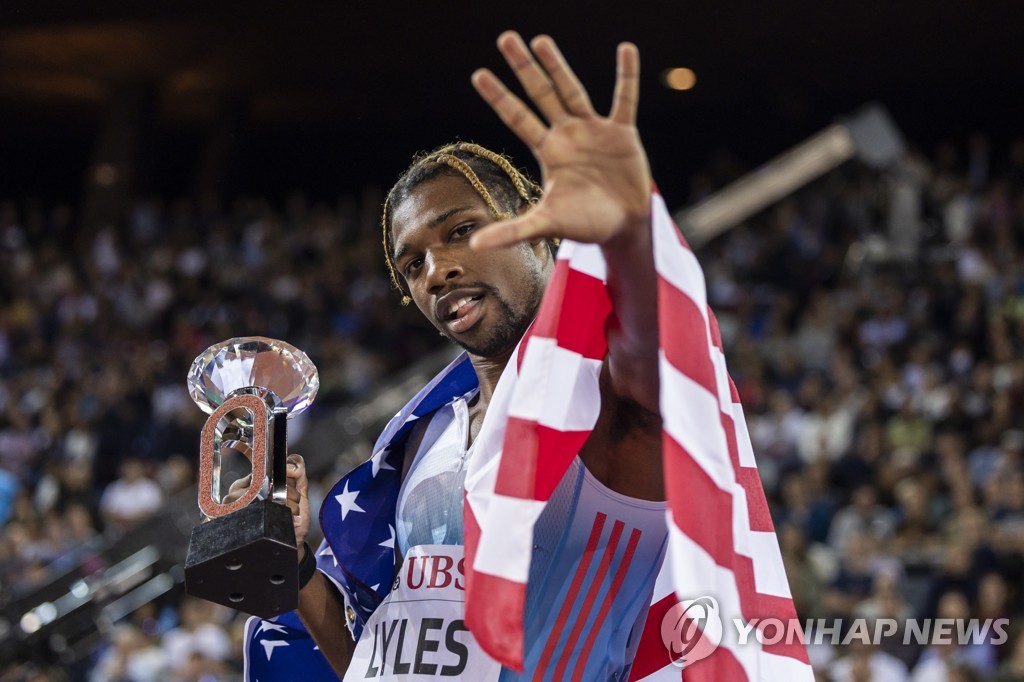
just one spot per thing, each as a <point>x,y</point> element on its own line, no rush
<point>532,225</point>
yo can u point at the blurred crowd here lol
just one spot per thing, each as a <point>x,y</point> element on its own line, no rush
<point>874,325</point>
<point>98,327</point>
<point>883,382</point>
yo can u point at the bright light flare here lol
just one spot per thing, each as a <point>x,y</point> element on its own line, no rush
<point>679,78</point>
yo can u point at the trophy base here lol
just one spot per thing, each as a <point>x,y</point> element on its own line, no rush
<point>246,560</point>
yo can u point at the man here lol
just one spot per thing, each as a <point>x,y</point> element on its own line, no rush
<point>467,239</point>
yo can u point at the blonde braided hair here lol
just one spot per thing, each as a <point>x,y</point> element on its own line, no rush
<point>469,160</point>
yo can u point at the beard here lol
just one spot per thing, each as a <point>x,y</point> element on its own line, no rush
<point>512,325</point>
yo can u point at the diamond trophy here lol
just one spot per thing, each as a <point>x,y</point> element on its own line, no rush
<point>243,554</point>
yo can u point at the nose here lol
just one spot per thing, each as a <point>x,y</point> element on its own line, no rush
<point>441,270</point>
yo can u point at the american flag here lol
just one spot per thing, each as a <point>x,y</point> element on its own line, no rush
<point>721,539</point>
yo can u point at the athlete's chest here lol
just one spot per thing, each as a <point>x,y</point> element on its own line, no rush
<point>429,509</point>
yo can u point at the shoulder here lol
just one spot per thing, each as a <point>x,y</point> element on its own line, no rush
<point>414,441</point>
<point>445,424</point>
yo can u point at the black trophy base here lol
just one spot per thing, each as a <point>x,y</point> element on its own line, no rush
<point>246,560</point>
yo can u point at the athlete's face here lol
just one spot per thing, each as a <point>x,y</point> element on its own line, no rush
<point>483,301</point>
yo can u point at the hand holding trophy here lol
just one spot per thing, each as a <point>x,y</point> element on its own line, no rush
<point>244,554</point>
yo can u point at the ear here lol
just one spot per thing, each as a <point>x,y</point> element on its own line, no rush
<point>541,251</point>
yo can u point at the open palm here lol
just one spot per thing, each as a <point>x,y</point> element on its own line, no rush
<point>594,170</point>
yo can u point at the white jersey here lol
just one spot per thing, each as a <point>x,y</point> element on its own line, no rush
<point>594,567</point>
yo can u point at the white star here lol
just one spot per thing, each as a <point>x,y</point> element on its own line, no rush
<point>270,645</point>
<point>381,462</point>
<point>374,587</point>
<point>390,542</point>
<point>329,552</point>
<point>269,625</point>
<point>347,500</point>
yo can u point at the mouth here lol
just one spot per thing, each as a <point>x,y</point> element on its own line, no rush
<point>460,310</point>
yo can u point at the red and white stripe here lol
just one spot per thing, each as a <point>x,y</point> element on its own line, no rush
<point>721,539</point>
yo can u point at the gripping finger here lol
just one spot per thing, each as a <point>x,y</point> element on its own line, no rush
<point>510,109</point>
<point>296,465</point>
<point>298,484</point>
<point>572,93</point>
<point>237,489</point>
<point>241,485</point>
<point>532,77</point>
<point>627,85</point>
<point>297,473</point>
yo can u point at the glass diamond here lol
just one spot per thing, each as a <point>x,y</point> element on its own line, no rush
<point>253,361</point>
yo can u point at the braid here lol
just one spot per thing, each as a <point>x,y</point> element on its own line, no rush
<point>464,168</point>
<point>470,161</point>
<point>525,187</point>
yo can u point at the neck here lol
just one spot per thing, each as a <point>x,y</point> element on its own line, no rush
<point>488,371</point>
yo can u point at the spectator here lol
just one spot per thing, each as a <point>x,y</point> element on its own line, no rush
<point>200,643</point>
<point>805,575</point>
<point>1012,669</point>
<point>856,575</point>
<point>132,498</point>
<point>865,663</point>
<point>940,661</point>
<point>132,656</point>
<point>863,516</point>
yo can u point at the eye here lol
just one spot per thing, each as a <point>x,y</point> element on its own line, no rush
<point>461,230</point>
<point>412,266</point>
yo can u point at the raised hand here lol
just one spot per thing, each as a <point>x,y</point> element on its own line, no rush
<point>595,174</point>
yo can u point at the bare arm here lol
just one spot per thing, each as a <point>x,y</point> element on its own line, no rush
<point>633,340</point>
<point>322,610</point>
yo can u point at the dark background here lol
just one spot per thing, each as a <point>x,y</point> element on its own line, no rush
<point>325,96</point>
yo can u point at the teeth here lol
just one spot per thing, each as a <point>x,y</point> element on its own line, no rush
<point>454,307</point>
